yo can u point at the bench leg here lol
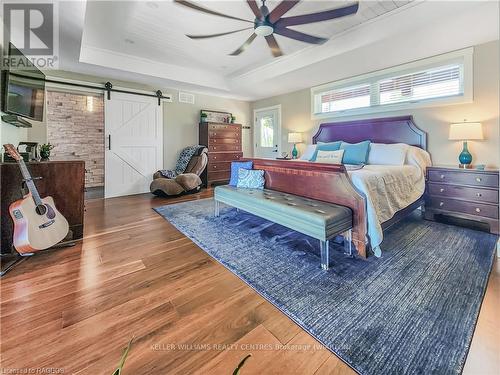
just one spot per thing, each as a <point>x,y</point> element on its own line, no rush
<point>348,243</point>
<point>216,208</point>
<point>325,253</point>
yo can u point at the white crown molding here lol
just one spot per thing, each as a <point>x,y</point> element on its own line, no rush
<point>121,61</point>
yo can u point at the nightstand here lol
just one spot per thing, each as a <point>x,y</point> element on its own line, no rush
<point>469,194</point>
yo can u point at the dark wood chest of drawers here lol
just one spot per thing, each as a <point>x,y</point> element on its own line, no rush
<point>224,146</point>
<point>469,194</point>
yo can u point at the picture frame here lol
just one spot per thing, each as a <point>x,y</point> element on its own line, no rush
<point>215,116</point>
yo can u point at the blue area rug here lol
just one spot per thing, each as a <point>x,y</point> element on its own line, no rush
<point>413,311</point>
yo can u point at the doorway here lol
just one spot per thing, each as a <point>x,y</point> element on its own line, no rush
<point>75,127</point>
<point>267,132</point>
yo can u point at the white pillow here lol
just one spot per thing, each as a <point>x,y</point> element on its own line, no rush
<point>330,157</point>
<point>418,157</point>
<point>387,154</point>
<point>308,153</point>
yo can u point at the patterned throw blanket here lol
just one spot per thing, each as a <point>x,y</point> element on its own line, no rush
<point>183,161</point>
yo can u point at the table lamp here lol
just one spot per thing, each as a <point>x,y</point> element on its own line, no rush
<point>465,131</point>
<point>295,138</point>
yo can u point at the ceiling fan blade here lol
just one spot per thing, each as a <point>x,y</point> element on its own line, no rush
<point>281,9</point>
<point>216,35</point>
<point>255,8</point>
<point>318,17</point>
<point>244,45</point>
<point>273,44</point>
<point>204,10</point>
<point>297,35</point>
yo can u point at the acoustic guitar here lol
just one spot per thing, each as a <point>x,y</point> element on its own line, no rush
<point>38,224</point>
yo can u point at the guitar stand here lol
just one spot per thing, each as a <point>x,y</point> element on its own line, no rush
<point>9,261</point>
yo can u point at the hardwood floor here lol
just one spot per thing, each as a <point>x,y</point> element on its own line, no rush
<point>135,275</point>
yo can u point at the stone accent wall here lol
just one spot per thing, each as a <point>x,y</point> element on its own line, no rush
<point>77,132</point>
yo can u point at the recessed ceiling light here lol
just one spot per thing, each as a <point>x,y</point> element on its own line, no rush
<point>152,5</point>
<point>129,41</point>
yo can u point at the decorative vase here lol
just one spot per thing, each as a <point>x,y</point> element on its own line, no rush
<point>295,152</point>
<point>465,157</point>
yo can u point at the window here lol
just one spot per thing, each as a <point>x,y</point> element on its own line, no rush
<point>427,84</point>
<point>267,132</point>
<point>440,80</point>
<point>345,98</point>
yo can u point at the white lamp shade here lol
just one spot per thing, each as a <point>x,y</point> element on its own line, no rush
<point>466,131</point>
<point>294,137</point>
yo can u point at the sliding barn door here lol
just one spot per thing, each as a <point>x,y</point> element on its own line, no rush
<point>134,143</point>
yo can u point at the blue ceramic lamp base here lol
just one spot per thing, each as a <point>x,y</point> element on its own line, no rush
<point>295,152</point>
<point>465,157</point>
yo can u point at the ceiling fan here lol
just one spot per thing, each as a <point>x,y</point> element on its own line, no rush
<point>267,23</point>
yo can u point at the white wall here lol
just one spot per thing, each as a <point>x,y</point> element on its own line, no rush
<point>181,123</point>
<point>11,134</point>
<point>296,113</point>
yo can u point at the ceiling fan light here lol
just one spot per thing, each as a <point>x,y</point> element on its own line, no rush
<point>264,30</point>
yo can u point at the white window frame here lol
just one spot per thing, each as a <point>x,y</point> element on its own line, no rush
<point>464,57</point>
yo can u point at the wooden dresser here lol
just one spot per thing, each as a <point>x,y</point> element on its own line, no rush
<point>62,180</point>
<point>224,146</point>
<point>469,194</point>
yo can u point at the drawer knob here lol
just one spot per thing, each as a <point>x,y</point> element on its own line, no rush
<point>441,204</point>
<point>478,179</point>
<point>215,133</point>
<point>479,195</point>
<point>478,209</point>
<point>441,190</point>
<point>442,176</point>
<point>215,148</point>
<point>215,167</point>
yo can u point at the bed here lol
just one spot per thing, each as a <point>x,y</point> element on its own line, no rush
<point>334,183</point>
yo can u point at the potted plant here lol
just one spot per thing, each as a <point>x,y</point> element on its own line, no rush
<point>45,151</point>
<point>233,119</point>
<point>203,117</point>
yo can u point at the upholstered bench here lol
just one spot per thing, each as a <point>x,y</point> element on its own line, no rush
<point>316,219</point>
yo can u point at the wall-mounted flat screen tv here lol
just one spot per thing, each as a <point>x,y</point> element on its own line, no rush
<point>23,91</point>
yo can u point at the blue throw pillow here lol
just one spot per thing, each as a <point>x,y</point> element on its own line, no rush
<point>355,153</point>
<point>251,179</point>
<point>235,166</point>
<point>330,146</point>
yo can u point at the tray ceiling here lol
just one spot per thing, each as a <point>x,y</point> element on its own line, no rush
<point>144,41</point>
<point>156,30</point>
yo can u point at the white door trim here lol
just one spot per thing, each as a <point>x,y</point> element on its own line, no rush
<point>255,128</point>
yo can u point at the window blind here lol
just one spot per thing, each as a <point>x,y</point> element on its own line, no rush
<point>346,98</point>
<point>428,84</point>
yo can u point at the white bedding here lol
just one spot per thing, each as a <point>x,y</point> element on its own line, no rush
<point>387,189</point>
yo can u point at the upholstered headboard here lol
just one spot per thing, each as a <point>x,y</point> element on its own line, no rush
<point>380,130</point>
